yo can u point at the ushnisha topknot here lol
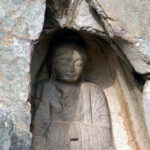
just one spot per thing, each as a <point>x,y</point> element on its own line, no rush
<point>63,37</point>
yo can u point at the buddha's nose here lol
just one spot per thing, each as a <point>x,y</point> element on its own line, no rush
<point>72,68</point>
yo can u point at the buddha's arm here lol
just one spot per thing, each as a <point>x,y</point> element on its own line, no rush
<point>101,117</point>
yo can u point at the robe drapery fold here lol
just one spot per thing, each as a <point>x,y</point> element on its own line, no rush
<point>80,122</point>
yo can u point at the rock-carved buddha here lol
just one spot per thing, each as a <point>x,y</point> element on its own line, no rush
<point>72,114</point>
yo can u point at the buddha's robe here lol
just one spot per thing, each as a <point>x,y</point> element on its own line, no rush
<point>80,122</point>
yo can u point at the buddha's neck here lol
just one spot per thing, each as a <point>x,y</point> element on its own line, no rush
<point>66,88</point>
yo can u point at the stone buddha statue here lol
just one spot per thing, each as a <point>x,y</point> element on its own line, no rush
<point>72,113</point>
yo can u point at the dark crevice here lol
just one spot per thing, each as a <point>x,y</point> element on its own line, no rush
<point>74,139</point>
<point>139,79</point>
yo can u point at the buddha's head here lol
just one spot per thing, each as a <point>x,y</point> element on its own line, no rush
<point>68,59</point>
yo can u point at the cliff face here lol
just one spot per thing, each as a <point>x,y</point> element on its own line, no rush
<point>21,22</point>
<point>121,66</point>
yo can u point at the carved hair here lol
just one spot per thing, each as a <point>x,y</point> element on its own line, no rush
<point>63,37</point>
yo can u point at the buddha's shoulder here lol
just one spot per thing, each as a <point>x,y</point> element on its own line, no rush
<point>90,85</point>
<point>45,85</point>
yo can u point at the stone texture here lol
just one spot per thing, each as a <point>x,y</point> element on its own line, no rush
<point>21,140</point>
<point>125,26</point>
<point>17,30</point>
<point>127,14</point>
<point>6,128</point>
<point>128,21</point>
<point>138,54</point>
<point>146,104</point>
<point>22,19</point>
<point>85,21</point>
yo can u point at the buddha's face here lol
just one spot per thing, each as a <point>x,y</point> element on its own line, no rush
<point>68,62</point>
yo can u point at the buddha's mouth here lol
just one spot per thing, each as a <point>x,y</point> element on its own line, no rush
<point>71,75</point>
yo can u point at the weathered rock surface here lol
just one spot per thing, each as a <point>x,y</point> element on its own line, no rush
<point>125,26</point>
<point>146,104</point>
<point>129,21</point>
<point>21,139</point>
<point>21,21</point>
<point>6,128</point>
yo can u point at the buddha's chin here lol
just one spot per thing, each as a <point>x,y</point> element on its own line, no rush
<point>70,79</point>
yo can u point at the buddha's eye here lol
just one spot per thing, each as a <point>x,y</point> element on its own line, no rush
<point>63,62</point>
<point>61,59</point>
<point>79,63</point>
